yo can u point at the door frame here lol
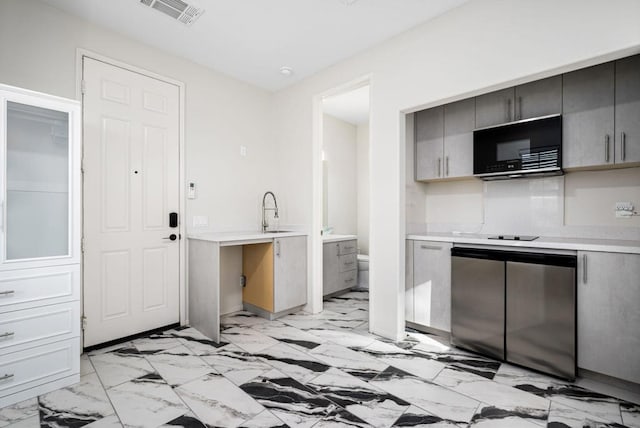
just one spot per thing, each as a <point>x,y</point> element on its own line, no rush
<point>80,55</point>
<point>314,302</point>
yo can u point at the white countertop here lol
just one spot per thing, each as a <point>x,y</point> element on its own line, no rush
<point>335,238</point>
<point>239,238</point>
<point>604,245</point>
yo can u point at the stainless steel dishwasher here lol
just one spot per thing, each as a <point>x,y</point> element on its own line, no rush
<point>516,306</point>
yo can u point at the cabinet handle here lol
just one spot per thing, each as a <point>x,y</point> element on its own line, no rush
<point>508,109</point>
<point>623,137</point>
<point>606,148</point>
<point>6,376</point>
<point>430,247</point>
<point>519,108</point>
<point>439,166</point>
<point>7,292</point>
<point>1,215</point>
<point>447,166</point>
<point>338,248</point>
<point>277,248</point>
<point>584,268</point>
<point>349,263</point>
<point>7,334</point>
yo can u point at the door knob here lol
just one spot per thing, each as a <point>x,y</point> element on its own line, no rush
<point>172,237</point>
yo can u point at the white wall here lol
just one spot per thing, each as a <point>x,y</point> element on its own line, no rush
<point>340,149</point>
<point>38,52</point>
<point>362,169</point>
<point>482,45</point>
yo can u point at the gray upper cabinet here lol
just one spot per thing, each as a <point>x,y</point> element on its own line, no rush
<point>609,314</point>
<point>289,273</point>
<point>429,133</point>
<point>539,98</point>
<point>459,122</point>
<point>535,99</point>
<point>627,114</point>
<point>495,108</point>
<point>444,141</point>
<point>588,117</point>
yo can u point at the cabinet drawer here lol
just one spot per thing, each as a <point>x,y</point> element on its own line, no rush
<point>29,327</point>
<point>23,289</point>
<point>35,366</point>
<point>348,262</point>
<point>347,247</point>
<point>348,279</point>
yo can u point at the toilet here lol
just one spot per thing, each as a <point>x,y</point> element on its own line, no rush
<point>363,271</point>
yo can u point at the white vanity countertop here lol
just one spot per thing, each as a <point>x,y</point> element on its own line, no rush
<point>335,238</point>
<point>577,244</point>
<point>238,238</point>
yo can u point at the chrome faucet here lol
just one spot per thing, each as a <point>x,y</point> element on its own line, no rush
<point>265,223</point>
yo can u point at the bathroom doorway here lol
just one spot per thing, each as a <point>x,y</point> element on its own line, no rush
<point>344,193</point>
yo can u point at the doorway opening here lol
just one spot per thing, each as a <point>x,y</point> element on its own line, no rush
<point>341,197</point>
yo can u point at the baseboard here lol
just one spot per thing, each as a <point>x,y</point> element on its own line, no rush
<point>428,330</point>
<point>270,315</point>
<point>130,338</point>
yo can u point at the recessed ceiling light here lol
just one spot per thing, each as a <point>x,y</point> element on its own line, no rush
<point>286,71</point>
<point>348,2</point>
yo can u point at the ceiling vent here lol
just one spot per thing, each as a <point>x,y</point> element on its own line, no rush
<point>176,9</point>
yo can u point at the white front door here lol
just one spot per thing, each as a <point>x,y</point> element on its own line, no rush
<point>131,185</point>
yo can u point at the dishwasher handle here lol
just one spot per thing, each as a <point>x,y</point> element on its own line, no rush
<point>516,256</point>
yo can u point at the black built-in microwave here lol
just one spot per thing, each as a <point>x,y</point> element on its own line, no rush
<point>516,149</point>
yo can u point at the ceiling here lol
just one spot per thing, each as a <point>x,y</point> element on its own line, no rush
<point>252,39</point>
<point>351,107</point>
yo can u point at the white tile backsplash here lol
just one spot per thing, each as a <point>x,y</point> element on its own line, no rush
<point>525,206</point>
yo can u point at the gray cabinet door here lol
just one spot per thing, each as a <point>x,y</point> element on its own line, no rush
<point>627,147</point>
<point>330,268</point>
<point>408,281</point>
<point>459,122</point>
<point>539,98</point>
<point>429,132</point>
<point>494,108</point>
<point>609,314</point>
<point>432,284</point>
<point>289,273</point>
<point>587,117</point>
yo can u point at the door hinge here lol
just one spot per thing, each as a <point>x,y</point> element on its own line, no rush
<point>82,245</point>
<point>83,86</point>
<point>83,322</point>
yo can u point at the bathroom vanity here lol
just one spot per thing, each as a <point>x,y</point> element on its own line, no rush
<point>339,264</point>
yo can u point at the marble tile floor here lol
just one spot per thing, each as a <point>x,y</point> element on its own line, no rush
<point>303,370</point>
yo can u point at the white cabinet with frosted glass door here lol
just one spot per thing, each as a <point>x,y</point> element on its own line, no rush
<point>39,243</point>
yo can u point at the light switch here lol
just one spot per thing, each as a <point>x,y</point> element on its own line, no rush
<point>191,190</point>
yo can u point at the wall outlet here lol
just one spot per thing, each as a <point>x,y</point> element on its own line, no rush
<point>243,151</point>
<point>624,209</point>
<point>200,221</point>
